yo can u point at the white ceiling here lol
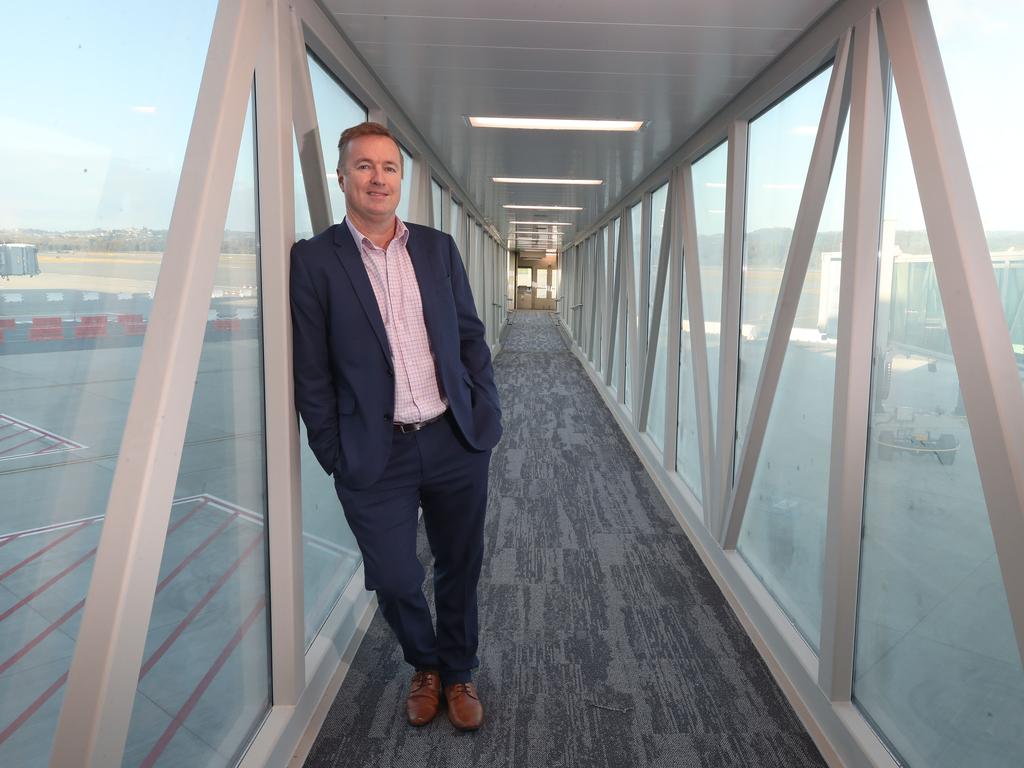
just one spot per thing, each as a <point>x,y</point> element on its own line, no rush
<point>672,63</point>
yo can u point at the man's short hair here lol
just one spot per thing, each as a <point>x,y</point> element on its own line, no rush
<point>366,129</point>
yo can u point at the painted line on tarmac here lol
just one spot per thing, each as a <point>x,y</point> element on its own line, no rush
<point>46,528</point>
<point>38,702</point>
<point>58,444</point>
<point>39,553</point>
<point>203,602</point>
<point>18,655</point>
<point>197,693</point>
<point>248,515</point>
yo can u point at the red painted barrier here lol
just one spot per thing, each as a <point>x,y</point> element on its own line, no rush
<point>132,325</point>
<point>46,329</point>
<point>228,324</point>
<point>7,322</point>
<point>91,327</point>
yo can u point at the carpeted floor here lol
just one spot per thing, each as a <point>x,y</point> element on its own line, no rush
<point>604,641</point>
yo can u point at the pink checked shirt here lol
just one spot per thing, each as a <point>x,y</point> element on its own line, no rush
<point>417,393</point>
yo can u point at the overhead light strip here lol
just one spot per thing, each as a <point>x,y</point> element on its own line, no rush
<point>520,180</point>
<point>543,207</point>
<point>543,223</point>
<point>555,124</point>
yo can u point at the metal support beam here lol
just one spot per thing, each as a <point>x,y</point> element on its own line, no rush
<point>611,319</point>
<point>276,235</point>
<point>698,342</point>
<point>421,204</point>
<point>812,201</point>
<point>307,135</point>
<point>975,320</point>
<point>104,673</point>
<point>851,399</point>
<point>673,234</point>
<point>658,308</point>
<point>631,315</point>
<point>729,348</point>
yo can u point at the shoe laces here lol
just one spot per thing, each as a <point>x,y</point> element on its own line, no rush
<point>460,689</point>
<point>421,678</point>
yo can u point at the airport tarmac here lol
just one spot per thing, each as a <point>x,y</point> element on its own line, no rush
<point>63,403</point>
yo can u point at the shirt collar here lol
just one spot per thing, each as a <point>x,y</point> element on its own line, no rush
<point>401,234</point>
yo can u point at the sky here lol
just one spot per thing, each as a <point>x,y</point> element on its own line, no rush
<point>96,115</point>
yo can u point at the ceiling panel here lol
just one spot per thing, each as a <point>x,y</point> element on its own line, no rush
<point>671,63</point>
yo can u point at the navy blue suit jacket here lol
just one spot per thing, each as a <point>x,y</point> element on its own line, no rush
<point>344,375</point>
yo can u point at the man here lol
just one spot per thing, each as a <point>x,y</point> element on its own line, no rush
<point>393,379</point>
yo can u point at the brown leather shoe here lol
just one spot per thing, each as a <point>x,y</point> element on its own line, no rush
<point>424,697</point>
<point>464,708</point>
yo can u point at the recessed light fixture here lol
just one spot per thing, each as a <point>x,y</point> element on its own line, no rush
<point>515,180</point>
<point>555,124</point>
<point>544,223</point>
<point>543,207</point>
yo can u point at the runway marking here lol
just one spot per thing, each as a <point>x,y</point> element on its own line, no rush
<point>53,443</point>
<point>200,689</point>
<point>203,602</point>
<point>69,528</point>
<point>40,700</point>
<point>317,542</point>
<point>40,552</point>
<point>7,664</point>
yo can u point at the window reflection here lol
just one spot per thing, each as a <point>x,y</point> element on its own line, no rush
<point>937,665</point>
<point>656,413</point>
<point>89,181</point>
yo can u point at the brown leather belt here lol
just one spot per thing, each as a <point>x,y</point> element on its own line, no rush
<point>417,426</point>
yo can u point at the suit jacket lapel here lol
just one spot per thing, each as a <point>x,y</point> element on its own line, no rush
<point>352,260</point>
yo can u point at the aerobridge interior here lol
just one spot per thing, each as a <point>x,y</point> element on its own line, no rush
<point>760,496</point>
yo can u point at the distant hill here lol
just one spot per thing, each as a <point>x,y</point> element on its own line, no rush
<point>769,247</point>
<point>116,240</point>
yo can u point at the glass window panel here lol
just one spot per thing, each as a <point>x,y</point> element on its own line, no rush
<point>330,553</point>
<point>613,250</point>
<point>336,110</point>
<point>204,686</point>
<point>457,231</point>
<point>937,666</point>
<point>89,173</point>
<point>639,274</point>
<point>406,198</point>
<point>687,445</point>
<point>783,532</point>
<point>656,414</point>
<point>977,41</point>
<point>435,195</point>
<point>303,222</point>
<point>599,253</point>
<point>709,174</point>
<point>780,147</point>
<point>477,273</point>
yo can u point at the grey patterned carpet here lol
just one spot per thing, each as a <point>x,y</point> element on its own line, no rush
<point>604,641</point>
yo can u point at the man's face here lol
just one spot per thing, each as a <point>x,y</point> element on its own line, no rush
<point>372,178</point>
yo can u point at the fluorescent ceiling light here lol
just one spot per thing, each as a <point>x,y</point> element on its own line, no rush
<point>555,124</point>
<point>544,223</point>
<point>543,207</point>
<point>517,180</point>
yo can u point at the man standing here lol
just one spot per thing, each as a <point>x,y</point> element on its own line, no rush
<point>393,379</point>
